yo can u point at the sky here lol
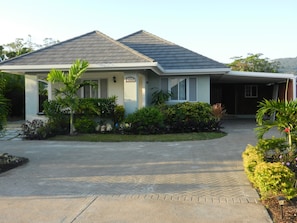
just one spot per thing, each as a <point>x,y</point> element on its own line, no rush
<point>218,29</point>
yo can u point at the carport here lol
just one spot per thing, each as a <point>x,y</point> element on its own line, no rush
<point>240,92</point>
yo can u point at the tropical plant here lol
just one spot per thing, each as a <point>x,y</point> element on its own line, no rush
<point>159,97</point>
<point>67,94</point>
<point>4,107</point>
<point>285,113</point>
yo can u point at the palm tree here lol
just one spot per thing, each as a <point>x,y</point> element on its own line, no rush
<point>67,94</point>
<point>285,113</point>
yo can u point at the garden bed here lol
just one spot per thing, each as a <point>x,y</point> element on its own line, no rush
<point>289,210</point>
<point>8,162</point>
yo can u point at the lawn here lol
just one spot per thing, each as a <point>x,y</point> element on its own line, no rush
<point>140,138</point>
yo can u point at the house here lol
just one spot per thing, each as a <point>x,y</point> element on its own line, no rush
<point>135,66</point>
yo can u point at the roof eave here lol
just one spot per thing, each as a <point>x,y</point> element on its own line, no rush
<point>23,69</point>
<point>195,71</point>
<point>262,74</point>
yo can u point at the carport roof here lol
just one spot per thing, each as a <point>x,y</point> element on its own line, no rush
<point>252,77</point>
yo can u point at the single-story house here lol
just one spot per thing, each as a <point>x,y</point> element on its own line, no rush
<point>135,66</point>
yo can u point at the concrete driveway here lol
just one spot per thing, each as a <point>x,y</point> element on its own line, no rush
<point>199,181</point>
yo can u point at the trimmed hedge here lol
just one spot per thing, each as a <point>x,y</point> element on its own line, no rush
<point>274,179</point>
<point>251,158</point>
<point>271,179</point>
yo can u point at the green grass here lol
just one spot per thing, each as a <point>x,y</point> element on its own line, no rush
<point>140,138</point>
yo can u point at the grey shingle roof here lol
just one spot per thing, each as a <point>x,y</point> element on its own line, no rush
<point>95,47</point>
<point>169,55</point>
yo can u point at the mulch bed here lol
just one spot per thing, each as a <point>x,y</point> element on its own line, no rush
<point>289,210</point>
<point>8,162</point>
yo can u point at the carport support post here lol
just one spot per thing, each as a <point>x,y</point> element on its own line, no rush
<point>31,97</point>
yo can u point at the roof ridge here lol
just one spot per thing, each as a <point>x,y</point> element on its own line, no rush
<point>148,33</point>
<point>135,52</point>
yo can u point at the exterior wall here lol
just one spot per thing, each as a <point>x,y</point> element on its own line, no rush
<point>203,89</point>
<point>113,88</point>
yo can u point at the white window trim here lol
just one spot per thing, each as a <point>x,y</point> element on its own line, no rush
<point>248,91</point>
<point>187,88</point>
<point>81,93</point>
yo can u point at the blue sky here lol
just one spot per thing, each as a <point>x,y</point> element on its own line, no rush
<point>218,29</point>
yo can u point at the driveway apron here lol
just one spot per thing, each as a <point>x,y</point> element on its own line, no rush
<point>196,181</point>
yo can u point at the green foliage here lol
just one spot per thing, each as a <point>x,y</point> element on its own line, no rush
<point>147,120</point>
<point>285,116</point>
<point>119,114</point>
<point>181,117</point>
<point>57,116</point>
<point>88,110</point>
<point>36,129</point>
<point>67,94</point>
<point>85,124</point>
<point>4,107</point>
<point>159,97</point>
<point>254,63</point>
<point>275,144</point>
<point>189,117</point>
<point>252,156</point>
<point>274,179</point>
<point>15,92</point>
<point>102,107</point>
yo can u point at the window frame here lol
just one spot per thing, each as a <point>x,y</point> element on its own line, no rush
<point>251,91</point>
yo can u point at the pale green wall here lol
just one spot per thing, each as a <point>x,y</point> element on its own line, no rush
<point>203,89</point>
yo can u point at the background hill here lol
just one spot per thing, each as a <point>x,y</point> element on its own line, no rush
<point>287,65</point>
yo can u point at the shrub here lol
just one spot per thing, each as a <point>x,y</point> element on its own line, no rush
<point>103,107</point>
<point>147,120</point>
<point>159,97</point>
<point>85,124</point>
<point>189,117</point>
<point>251,158</point>
<point>58,118</point>
<point>119,114</point>
<point>274,179</point>
<point>275,144</point>
<point>37,129</point>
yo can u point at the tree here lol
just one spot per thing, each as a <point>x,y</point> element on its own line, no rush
<point>67,94</point>
<point>14,90</point>
<point>254,63</point>
<point>4,108</point>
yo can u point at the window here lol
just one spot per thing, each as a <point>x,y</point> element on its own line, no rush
<point>91,91</point>
<point>250,91</point>
<point>98,89</point>
<point>178,88</point>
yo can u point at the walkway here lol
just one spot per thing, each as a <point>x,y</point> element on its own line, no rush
<point>200,181</point>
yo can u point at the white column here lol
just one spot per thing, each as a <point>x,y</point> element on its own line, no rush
<point>31,97</point>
